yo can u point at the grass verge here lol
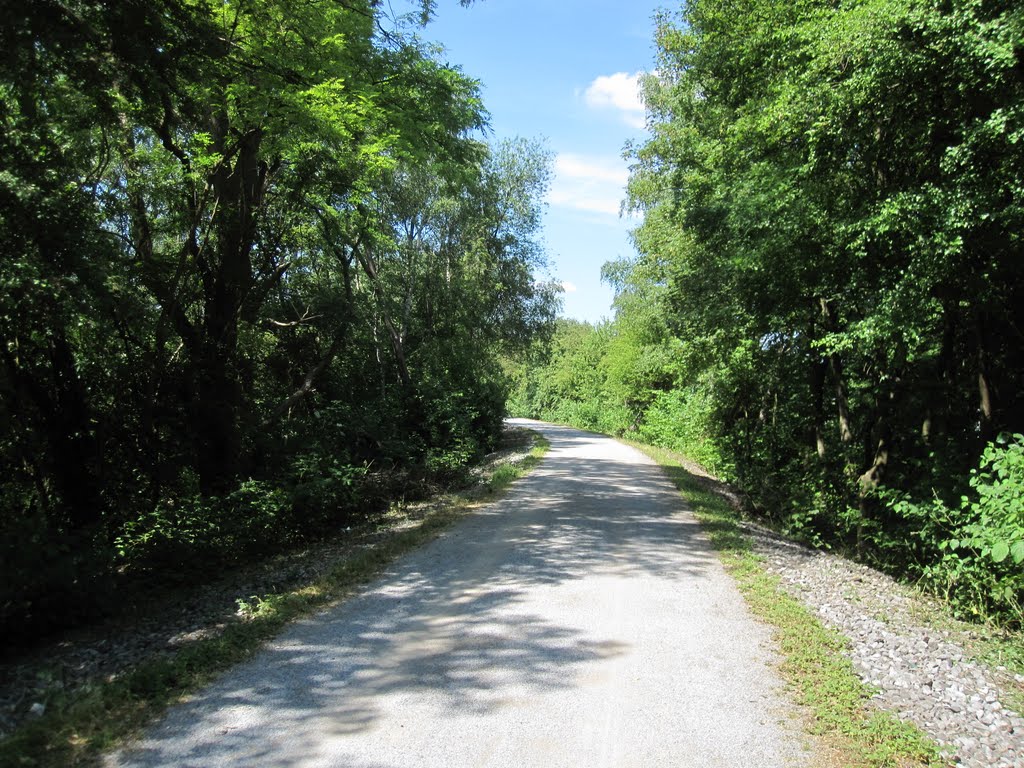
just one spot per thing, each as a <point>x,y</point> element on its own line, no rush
<point>505,474</point>
<point>77,729</point>
<point>852,733</point>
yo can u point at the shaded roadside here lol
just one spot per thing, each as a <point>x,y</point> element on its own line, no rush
<point>55,673</point>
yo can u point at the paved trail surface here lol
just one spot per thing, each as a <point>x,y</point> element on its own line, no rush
<point>580,621</point>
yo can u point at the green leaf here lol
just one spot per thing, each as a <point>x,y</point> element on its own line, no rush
<point>999,551</point>
<point>1017,551</point>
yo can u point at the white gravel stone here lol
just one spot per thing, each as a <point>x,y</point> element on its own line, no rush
<point>921,674</point>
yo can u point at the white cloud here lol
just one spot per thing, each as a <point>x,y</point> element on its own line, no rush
<point>596,169</point>
<point>568,287</point>
<point>570,199</point>
<point>589,183</point>
<point>620,91</point>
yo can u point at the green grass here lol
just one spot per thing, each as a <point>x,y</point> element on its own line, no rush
<point>852,733</point>
<point>77,728</point>
<point>504,475</point>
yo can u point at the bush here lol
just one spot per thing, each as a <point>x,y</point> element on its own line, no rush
<point>680,420</point>
<point>325,489</point>
<point>184,538</point>
<point>48,578</point>
<point>597,414</point>
<point>977,546</point>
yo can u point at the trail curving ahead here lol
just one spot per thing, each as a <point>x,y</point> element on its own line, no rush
<point>582,620</point>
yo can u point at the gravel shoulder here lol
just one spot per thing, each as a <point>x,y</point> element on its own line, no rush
<point>903,647</point>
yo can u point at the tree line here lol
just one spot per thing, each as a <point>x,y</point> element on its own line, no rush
<point>258,269</point>
<point>827,302</point>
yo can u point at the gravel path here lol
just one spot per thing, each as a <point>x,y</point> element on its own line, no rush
<point>581,621</point>
<point>921,672</point>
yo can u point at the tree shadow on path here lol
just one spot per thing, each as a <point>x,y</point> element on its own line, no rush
<point>461,623</point>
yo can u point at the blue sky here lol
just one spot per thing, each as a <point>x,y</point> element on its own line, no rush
<point>563,71</point>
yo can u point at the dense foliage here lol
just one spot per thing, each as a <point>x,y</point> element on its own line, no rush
<point>828,302</point>
<point>257,273</point>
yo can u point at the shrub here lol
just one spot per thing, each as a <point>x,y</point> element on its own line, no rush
<point>185,537</point>
<point>977,546</point>
<point>680,420</point>
<point>325,488</point>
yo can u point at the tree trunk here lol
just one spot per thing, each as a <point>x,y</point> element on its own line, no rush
<point>985,393</point>
<point>818,370</point>
<point>877,453</point>
<point>369,266</point>
<point>227,281</point>
<point>842,405</point>
<point>835,366</point>
<point>76,451</point>
<point>71,452</point>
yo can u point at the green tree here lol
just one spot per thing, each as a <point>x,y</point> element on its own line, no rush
<point>841,244</point>
<point>826,301</point>
<point>254,250</point>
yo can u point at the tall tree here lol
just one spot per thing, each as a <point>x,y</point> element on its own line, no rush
<point>833,192</point>
<point>213,213</point>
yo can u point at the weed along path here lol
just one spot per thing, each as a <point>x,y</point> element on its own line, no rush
<point>582,620</point>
